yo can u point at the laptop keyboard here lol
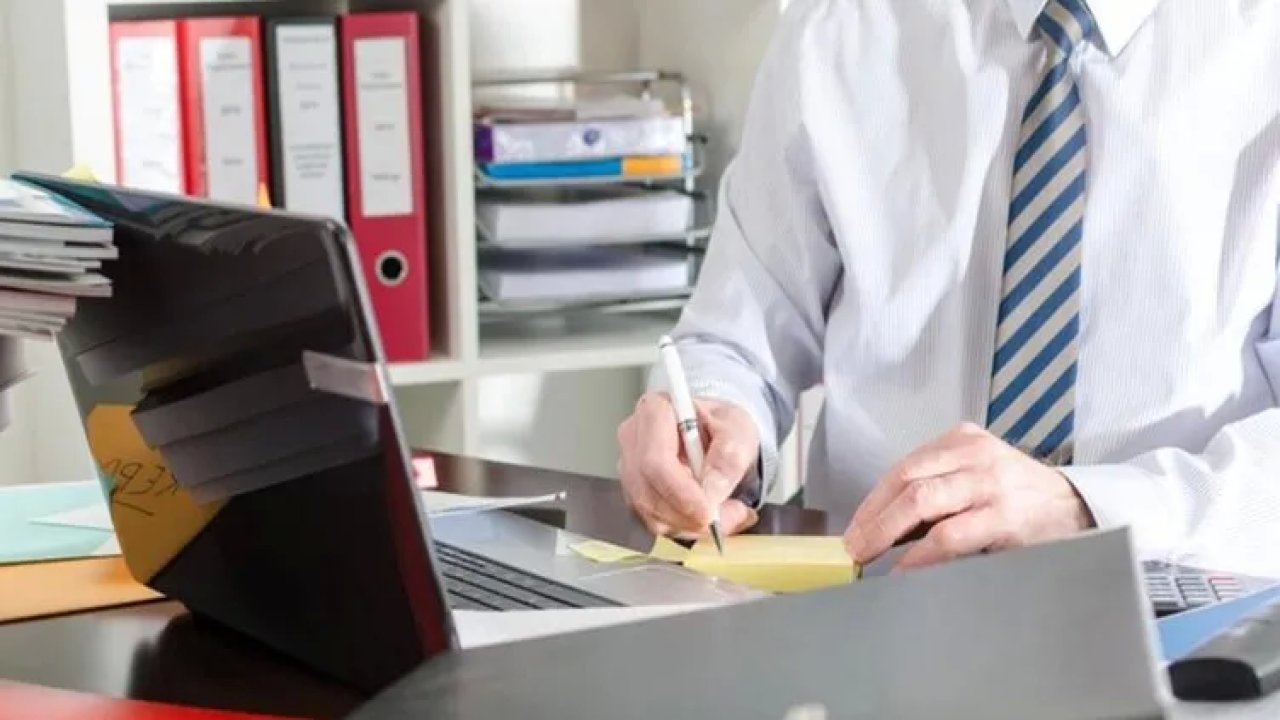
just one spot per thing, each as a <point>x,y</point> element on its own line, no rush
<point>476,583</point>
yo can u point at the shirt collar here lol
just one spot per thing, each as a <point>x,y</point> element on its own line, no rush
<point>1118,20</point>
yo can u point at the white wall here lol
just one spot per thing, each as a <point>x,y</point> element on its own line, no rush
<point>718,45</point>
<point>6,67</point>
<point>17,461</point>
<point>565,421</point>
<point>507,34</point>
<point>46,129</point>
<point>611,36</point>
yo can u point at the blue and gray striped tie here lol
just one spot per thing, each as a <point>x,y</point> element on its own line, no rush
<point>1034,375</point>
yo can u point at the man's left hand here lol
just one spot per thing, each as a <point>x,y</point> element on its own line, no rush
<point>978,492</point>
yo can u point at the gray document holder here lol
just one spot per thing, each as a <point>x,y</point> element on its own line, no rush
<point>1053,631</point>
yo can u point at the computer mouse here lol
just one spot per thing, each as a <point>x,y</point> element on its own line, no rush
<point>1239,663</point>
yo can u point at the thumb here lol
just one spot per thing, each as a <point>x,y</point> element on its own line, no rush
<point>736,517</point>
<point>728,458</point>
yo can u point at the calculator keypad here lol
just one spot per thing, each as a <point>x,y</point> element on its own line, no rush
<point>1172,591</point>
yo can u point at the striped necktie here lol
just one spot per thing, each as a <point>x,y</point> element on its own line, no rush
<point>1034,373</point>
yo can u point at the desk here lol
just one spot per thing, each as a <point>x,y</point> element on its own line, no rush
<point>160,652</point>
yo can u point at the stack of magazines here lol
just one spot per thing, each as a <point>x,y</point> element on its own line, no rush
<point>51,254</point>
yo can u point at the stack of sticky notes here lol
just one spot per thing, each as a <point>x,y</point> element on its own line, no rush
<point>776,563</point>
<point>773,563</point>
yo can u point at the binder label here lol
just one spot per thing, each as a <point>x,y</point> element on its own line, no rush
<point>310,133</point>
<point>382,118</point>
<point>231,161</point>
<point>150,141</point>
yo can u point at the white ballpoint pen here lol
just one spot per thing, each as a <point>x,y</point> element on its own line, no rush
<point>687,420</point>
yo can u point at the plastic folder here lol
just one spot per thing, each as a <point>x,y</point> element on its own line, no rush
<point>1182,633</point>
<point>386,180</point>
<point>52,588</point>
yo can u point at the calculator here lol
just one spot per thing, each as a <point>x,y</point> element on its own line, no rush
<point>1172,588</point>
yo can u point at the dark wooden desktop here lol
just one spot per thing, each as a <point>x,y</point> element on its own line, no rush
<point>160,652</point>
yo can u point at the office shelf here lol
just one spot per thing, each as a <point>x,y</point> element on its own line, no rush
<point>463,401</point>
<point>492,311</point>
<point>428,372</point>
<point>566,75</point>
<point>609,337</point>
<point>693,236</point>
<point>573,342</point>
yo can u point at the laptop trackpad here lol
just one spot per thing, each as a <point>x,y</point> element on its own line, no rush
<point>660,584</point>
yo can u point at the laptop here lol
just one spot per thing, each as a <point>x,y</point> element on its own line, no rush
<point>234,396</point>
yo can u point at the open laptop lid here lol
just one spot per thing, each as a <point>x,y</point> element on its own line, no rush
<point>233,396</point>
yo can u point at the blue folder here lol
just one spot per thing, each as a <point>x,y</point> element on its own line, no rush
<point>1182,633</point>
<point>566,170</point>
<point>555,170</point>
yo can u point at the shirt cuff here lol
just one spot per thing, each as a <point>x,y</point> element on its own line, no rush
<point>1119,495</point>
<point>750,491</point>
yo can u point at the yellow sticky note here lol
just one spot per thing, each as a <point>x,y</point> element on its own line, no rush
<point>604,552</point>
<point>154,517</point>
<point>776,563</point>
<point>664,548</point>
<point>81,172</point>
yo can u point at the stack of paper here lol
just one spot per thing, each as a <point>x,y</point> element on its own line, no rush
<point>582,215</point>
<point>51,251</point>
<point>578,274</point>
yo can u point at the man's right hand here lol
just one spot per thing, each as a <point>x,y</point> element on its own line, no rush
<point>657,481</point>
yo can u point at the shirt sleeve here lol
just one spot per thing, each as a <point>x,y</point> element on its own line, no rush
<point>1218,508</point>
<point>752,332</point>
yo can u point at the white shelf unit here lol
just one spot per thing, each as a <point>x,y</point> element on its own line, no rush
<point>499,392</point>
<point>555,346</point>
<point>567,385</point>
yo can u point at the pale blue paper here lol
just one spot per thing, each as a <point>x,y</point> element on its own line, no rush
<point>24,541</point>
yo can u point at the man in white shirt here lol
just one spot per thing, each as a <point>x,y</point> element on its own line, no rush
<point>1029,249</point>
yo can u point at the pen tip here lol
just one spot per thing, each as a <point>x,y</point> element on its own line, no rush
<point>717,538</point>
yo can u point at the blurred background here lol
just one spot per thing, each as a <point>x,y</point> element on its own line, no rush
<point>551,268</point>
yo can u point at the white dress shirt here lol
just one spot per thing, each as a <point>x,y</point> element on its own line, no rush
<point>862,227</point>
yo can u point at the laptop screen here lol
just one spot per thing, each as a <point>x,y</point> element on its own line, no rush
<point>233,398</point>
